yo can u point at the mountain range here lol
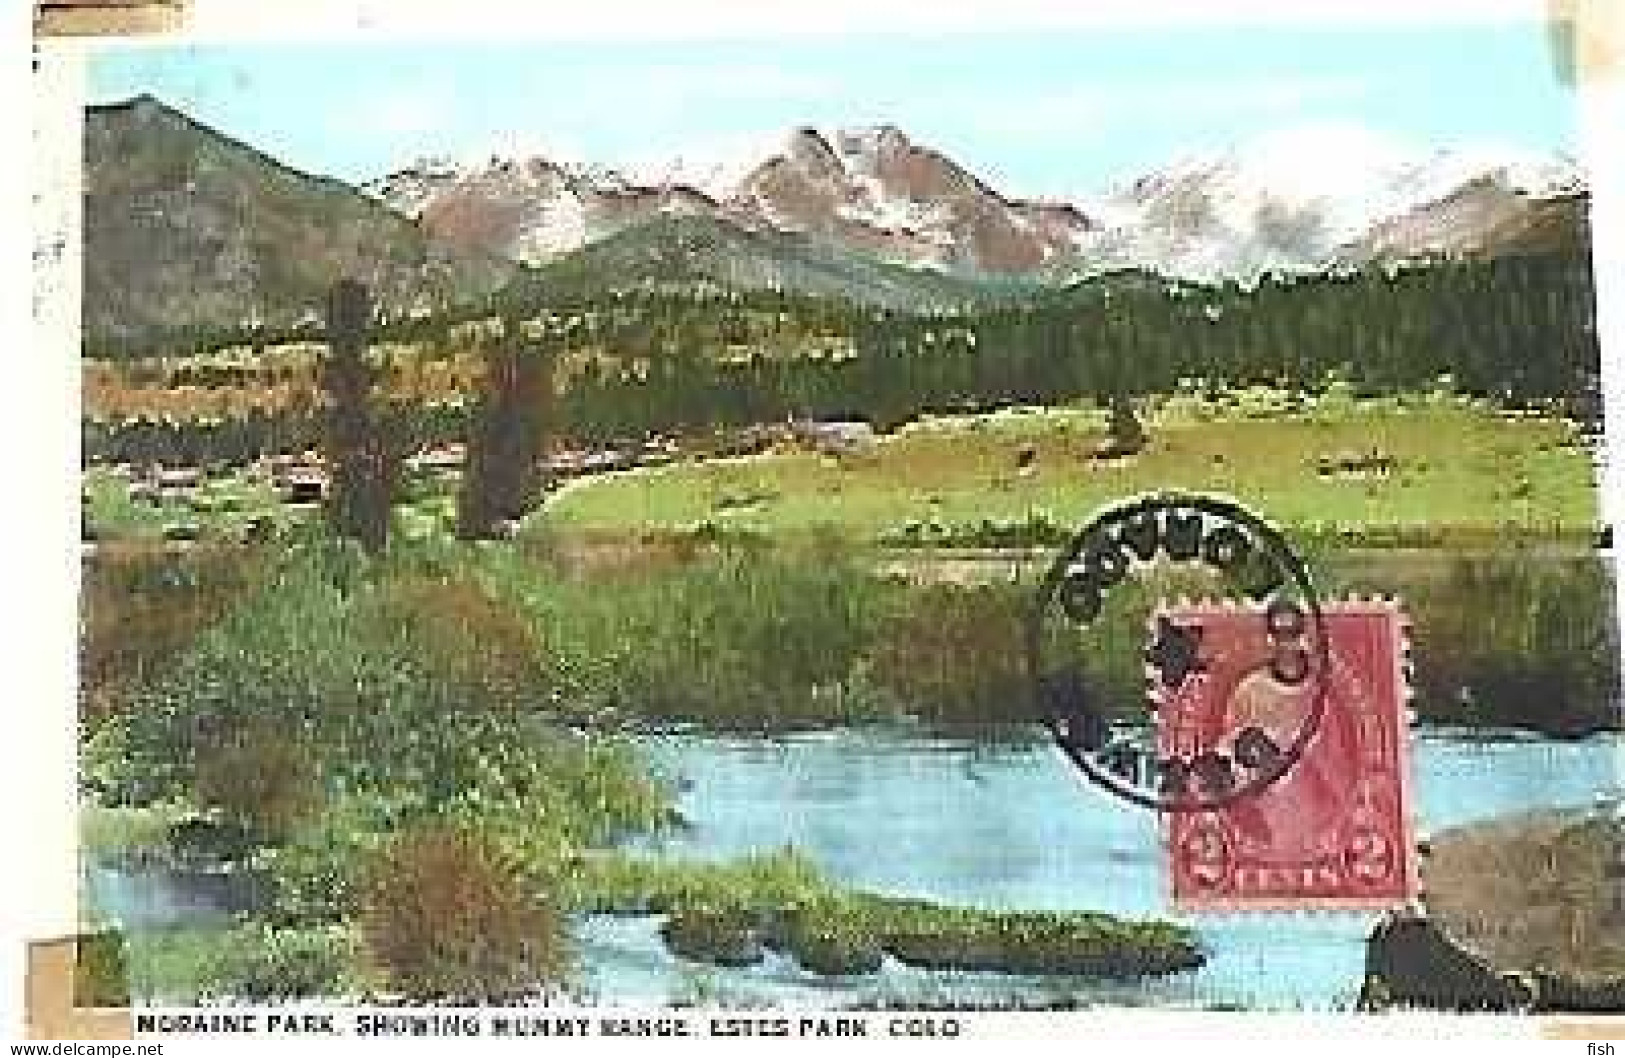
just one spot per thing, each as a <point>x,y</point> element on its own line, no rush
<point>1296,202</point>
<point>186,225</point>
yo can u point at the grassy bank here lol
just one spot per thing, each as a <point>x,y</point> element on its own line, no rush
<point>719,914</point>
<point>1513,639</point>
<point>751,636</point>
<point>748,637</point>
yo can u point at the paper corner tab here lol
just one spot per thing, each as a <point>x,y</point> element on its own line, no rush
<point>110,18</point>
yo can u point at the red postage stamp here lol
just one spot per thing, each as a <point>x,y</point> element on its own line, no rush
<point>1333,831</point>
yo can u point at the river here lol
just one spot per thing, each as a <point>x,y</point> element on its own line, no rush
<point>1017,827</point>
<point>996,827</point>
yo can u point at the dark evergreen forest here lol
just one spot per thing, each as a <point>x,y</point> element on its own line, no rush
<point>1518,330</point>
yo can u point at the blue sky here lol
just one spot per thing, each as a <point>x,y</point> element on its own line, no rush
<point>1056,113</point>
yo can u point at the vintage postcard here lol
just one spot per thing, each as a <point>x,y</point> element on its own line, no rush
<point>740,529</point>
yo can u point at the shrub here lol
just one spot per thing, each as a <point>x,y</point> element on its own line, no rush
<point>351,688</point>
<point>199,841</point>
<point>392,682</point>
<point>252,963</point>
<point>100,978</point>
<point>316,875</point>
<point>1125,434</point>
<point>141,607</point>
<point>264,964</point>
<point>446,916</point>
<point>544,795</point>
<point>471,640</point>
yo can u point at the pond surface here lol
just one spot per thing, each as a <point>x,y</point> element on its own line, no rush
<point>1006,827</point>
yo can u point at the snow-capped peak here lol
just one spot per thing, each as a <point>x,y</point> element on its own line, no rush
<point>720,167</point>
<point>714,167</point>
<point>1515,169</point>
<point>1289,199</point>
<point>1364,173</point>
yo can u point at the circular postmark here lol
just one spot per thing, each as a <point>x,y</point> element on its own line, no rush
<point>1269,717</point>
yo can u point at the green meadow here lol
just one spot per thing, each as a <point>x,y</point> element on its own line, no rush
<point>1429,471</point>
<point>1446,466</point>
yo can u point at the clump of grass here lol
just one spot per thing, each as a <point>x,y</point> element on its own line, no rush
<point>723,936</point>
<point>108,832</point>
<point>1083,943</point>
<point>100,977</point>
<point>247,963</point>
<point>446,916</point>
<point>827,939</point>
<point>616,883</point>
<point>723,912</point>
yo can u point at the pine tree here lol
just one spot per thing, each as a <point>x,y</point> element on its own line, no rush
<point>362,461</point>
<point>505,437</point>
